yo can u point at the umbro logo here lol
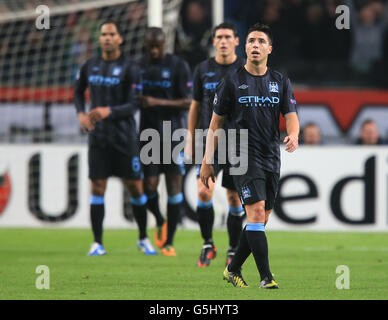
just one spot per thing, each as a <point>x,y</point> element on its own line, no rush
<point>243,86</point>
<point>210,74</point>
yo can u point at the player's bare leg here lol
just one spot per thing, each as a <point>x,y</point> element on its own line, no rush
<point>134,187</point>
<point>151,184</point>
<point>267,213</point>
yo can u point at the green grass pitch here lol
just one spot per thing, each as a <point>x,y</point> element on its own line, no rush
<point>304,264</point>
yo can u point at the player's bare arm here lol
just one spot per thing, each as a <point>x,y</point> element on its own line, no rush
<point>292,127</point>
<point>193,119</point>
<point>207,170</point>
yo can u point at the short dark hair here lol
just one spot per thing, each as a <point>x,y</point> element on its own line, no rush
<point>111,22</point>
<point>225,25</point>
<point>367,121</point>
<point>262,28</point>
<point>310,124</point>
<point>155,33</point>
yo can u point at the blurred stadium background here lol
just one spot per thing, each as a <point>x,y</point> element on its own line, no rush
<point>339,79</point>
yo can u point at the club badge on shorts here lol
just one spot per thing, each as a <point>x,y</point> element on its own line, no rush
<point>273,87</point>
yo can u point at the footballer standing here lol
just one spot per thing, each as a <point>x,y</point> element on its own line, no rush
<point>113,144</point>
<point>165,100</point>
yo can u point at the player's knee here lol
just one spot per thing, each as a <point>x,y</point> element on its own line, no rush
<point>151,185</point>
<point>256,212</point>
<point>173,184</point>
<point>135,189</point>
<point>267,213</point>
<point>173,190</point>
<point>204,194</point>
<point>260,212</point>
<point>233,199</point>
<point>98,187</point>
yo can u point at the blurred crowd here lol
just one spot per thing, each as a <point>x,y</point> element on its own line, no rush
<point>29,56</point>
<point>308,45</point>
<point>368,135</point>
<point>23,5</point>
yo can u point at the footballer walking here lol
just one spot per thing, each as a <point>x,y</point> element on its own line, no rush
<point>253,97</point>
<point>207,75</point>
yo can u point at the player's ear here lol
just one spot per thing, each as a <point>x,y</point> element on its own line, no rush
<point>214,41</point>
<point>269,49</point>
<point>237,41</point>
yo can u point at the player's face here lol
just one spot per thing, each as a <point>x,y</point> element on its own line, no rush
<point>369,133</point>
<point>110,39</point>
<point>311,135</point>
<point>257,47</point>
<point>155,48</point>
<point>225,42</point>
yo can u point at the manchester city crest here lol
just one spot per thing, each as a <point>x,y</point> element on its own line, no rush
<point>166,73</point>
<point>246,192</point>
<point>116,71</point>
<point>273,87</point>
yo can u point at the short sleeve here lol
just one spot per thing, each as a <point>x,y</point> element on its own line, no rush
<point>223,98</point>
<point>288,104</point>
